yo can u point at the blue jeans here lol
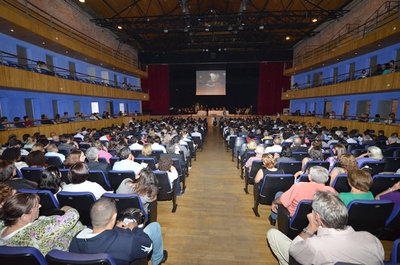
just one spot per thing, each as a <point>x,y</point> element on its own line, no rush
<point>153,230</point>
<point>275,215</point>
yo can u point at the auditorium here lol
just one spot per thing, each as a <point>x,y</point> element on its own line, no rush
<point>199,132</point>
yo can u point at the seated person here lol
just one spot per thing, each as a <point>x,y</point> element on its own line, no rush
<point>14,154</point>
<point>22,225</point>
<point>347,164</point>
<point>147,152</point>
<point>373,154</point>
<point>360,183</point>
<point>334,241</point>
<point>51,180</point>
<point>391,194</point>
<point>78,175</point>
<point>127,162</point>
<point>73,158</point>
<point>92,155</point>
<point>52,151</point>
<point>124,241</point>
<point>259,153</point>
<point>8,175</point>
<point>318,176</point>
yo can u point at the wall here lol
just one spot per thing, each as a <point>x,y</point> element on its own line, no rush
<point>12,103</point>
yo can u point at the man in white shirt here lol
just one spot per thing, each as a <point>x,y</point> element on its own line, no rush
<point>334,242</point>
<point>135,145</point>
<point>52,151</point>
<point>127,162</point>
<point>276,148</point>
<point>196,133</point>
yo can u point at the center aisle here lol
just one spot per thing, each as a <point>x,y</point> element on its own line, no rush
<point>214,222</point>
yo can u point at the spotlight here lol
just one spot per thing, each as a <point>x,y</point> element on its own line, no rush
<point>314,20</point>
<point>207,29</point>
<point>165,30</point>
<point>287,38</point>
<point>82,1</point>
<point>119,27</point>
<point>261,27</point>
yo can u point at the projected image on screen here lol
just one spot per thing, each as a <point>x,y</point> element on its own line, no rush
<point>210,83</point>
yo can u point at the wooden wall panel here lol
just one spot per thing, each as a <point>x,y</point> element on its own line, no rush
<point>66,127</point>
<point>26,80</point>
<point>382,83</point>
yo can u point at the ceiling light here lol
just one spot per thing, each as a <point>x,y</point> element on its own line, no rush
<point>43,43</point>
<point>240,27</point>
<point>230,27</point>
<point>261,27</point>
<point>11,30</point>
<point>119,27</point>
<point>287,38</point>
<point>207,29</point>
<point>206,50</point>
<point>82,1</point>
<point>165,30</point>
<point>314,20</point>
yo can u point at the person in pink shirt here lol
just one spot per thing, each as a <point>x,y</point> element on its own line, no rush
<point>318,176</point>
<point>103,152</point>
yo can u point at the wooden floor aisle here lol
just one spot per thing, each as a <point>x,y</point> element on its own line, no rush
<point>214,222</point>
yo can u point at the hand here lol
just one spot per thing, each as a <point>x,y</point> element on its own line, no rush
<point>276,155</point>
<point>65,208</point>
<point>274,207</point>
<point>313,222</point>
<point>396,186</point>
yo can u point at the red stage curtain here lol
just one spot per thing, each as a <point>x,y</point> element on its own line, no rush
<point>270,83</point>
<point>157,84</point>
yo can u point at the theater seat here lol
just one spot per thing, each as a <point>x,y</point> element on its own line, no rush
<point>21,255</point>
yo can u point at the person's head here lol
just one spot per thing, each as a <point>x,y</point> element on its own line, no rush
<point>5,192</point>
<point>286,151</point>
<point>147,150</point>
<point>36,159</point>
<point>375,152</point>
<point>277,140</point>
<point>92,154</point>
<point>360,180</point>
<point>52,148</point>
<point>20,207</point>
<point>133,215</point>
<point>317,145</point>
<point>316,154</point>
<point>297,141</point>
<point>251,145</point>
<point>103,213</point>
<point>165,163</point>
<point>268,161</point>
<point>74,157</point>
<point>146,183</point>
<point>7,170</point>
<point>51,179</point>
<point>339,150</point>
<point>259,150</point>
<point>329,210</point>
<point>170,148</point>
<point>391,140</point>
<point>318,174</point>
<point>78,173</point>
<point>125,153</point>
<point>348,162</point>
<point>38,147</point>
<point>13,154</point>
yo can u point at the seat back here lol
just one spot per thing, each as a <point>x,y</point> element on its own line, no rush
<point>340,184</point>
<point>299,155</point>
<point>290,167</point>
<point>64,151</point>
<point>358,152</point>
<point>392,228</point>
<point>58,257</point>
<point>21,255</point>
<point>272,184</point>
<point>310,164</point>
<point>64,175</point>
<point>136,152</point>
<point>125,201</point>
<point>113,160</point>
<point>116,177</point>
<point>166,192</point>
<point>48,201</point>
<point>54,161</point>
<point>255,166</point>
<point>81,201</point>
<point>197,141</point>
<point>369,215</point>
<point>392,164</point>
<point>157,153</point>
<point>237,145</point>
<point>231,142</point>
<point>150,161</point>
<point>32,173</point>
<point>377,167</point>
<point>99,177</point>
<point>292,226</point>
<point>381,182</point>
<point>395,257</point>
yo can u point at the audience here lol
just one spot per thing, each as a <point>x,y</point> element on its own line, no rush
<point>51,180</point>
<point>360,182</point>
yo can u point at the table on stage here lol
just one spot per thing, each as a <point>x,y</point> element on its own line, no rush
<point>217,112</point>
<point>202,113</point>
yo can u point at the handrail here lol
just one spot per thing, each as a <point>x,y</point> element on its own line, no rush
<point>63,73</point>
<point>385,14</point>
<point>39,16</point>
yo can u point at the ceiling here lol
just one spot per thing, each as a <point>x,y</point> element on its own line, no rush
<point>213,30</point>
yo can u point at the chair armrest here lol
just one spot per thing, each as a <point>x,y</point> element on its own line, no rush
<point>283,219</point>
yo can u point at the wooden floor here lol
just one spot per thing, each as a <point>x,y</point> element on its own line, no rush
<point>214,222</point>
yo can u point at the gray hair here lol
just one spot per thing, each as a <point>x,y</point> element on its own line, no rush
<point>102,211</point>
<point>319,174</point>
<point>375,152</point>
<point>92,153</point>
<point>331,209</point>
<point>259,149</point>
<point>52,148</point>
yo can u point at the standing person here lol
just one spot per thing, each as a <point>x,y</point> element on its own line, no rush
<point>327,239</point>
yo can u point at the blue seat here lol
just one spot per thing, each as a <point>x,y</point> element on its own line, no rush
<point>116,177</point>
<point>369,215</point>
<point>250,175</point>
<point>21,255</point>
<point>392,228</point>
<point>150,161</point>
<point>99,177</point>
<point>32,173</point>
<point>47,200</point>
<point>81,201</point>
<point>166,192</point>
<point>58,257</point>
<point>340,184</point>
<point>291,226</point>
<point>395,256</point>
<point>392,164</point>
<point>381,182</point>
<point>125,201</point>
<point>377,167</point>
<point>290,167</point>
<point>310,164</point>
<point>54,161</point>
<point>272,183</point>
